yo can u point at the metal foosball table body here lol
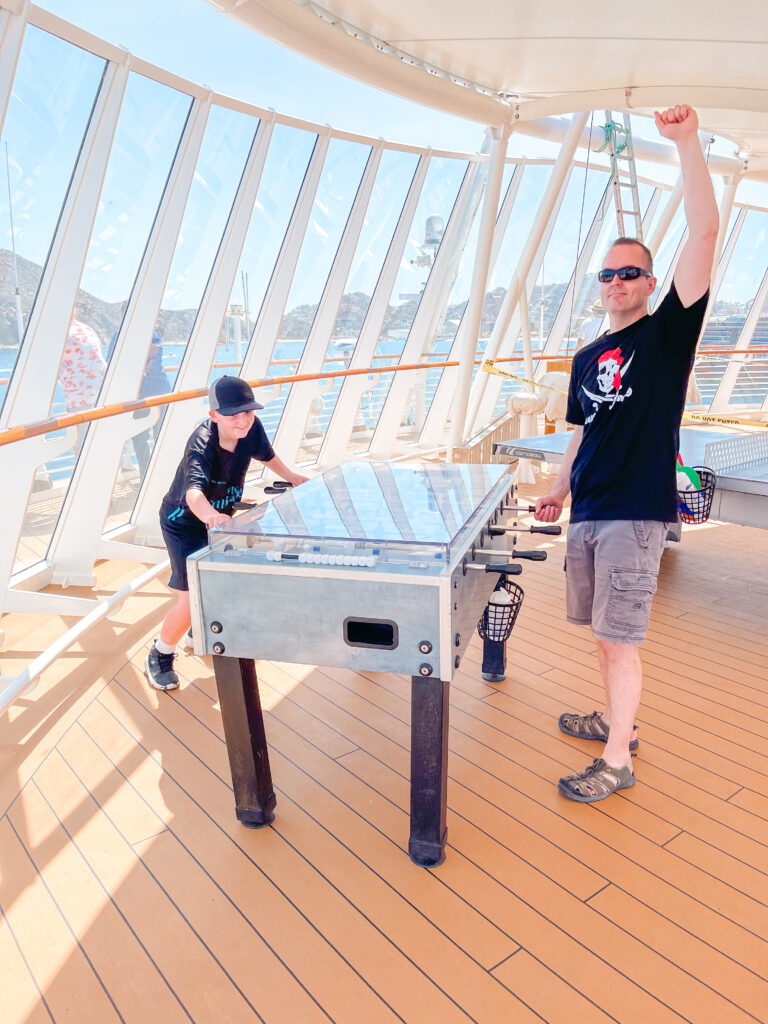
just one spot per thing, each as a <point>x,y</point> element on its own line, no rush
<point>371,566</point>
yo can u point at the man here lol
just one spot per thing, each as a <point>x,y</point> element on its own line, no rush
<point>626,399</point>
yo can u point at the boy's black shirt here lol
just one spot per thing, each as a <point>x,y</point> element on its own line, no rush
<point>218,473</point>
<point>628,391</point>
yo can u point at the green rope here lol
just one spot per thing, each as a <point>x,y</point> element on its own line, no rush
<point>612,130</point>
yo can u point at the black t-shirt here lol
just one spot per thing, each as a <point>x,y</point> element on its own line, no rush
<point>628,391</point>
<point>218,473</point>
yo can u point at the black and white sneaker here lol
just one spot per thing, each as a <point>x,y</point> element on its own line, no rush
<point>159,670</point>
<point>187,642</point>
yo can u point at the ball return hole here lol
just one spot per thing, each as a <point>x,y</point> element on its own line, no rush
<point>381,633</point>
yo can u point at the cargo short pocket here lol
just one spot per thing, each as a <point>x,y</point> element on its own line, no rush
<point>629,601</point>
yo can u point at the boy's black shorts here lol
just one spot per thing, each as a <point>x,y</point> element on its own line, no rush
<point>181,544</point>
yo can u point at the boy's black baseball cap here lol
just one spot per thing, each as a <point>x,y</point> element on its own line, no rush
<point>230,395</point>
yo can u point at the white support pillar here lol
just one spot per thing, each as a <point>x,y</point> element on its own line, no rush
<point>259,354</point>
<point>474,310</point>
<point>77,540</point>
<point>726,205</point>
<point>661,227</point>
<point>722,396</point>
<point>719,265</point>
<point>181,418</point>
<point>727,253</point>
<point>340,428</point>
<point>13,22</point>
<point>290,432</point>
<point>34,379</point>
<point>542,222</point>
<point>433,301</point>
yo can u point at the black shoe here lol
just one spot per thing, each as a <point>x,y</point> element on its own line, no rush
<point>159,670</point>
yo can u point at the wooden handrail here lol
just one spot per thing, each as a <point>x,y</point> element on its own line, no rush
<point>73,419</point>
<point>499,359</point>
<point>13,434</point>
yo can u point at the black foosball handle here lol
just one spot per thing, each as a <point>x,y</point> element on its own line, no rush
<point>509,570</point>
<point>532,556</point>
<point>278,487</point>
<point>238,506</point>
<point>499,531</point>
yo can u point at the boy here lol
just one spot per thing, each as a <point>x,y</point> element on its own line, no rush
<point>208,482</point>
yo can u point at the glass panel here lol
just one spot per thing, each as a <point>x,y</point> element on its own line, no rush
<point>424,383</point>
<point>48,113</point>
<point>390,190</point>
<point>729,311</point>
<point>527,202</point>
<point>281,180</point>
<point>148,131</point>
<point>423,510</point>
<point>227,141</point>
<point>339,182</point>
<point>438,196</point>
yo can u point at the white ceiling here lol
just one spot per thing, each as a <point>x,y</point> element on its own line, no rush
<point>531,59</point>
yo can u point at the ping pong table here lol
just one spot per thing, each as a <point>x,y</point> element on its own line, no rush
<point>740,462</point>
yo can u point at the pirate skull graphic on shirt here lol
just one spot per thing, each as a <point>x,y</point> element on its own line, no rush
<point>611,368</point>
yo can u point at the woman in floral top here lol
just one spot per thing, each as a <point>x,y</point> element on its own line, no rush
<point>82,367</point>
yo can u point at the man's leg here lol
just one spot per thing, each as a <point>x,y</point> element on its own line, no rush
<point>626,561</point>
<point>634,667</point>
<point>622,674</point>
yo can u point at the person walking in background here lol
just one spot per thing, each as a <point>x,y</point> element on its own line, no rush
<point>154,381</point>
<point>81,373</point>
<point>591,326</point>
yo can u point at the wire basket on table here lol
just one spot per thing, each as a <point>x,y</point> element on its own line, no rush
<point>695,505</point>
<point>497,620</point>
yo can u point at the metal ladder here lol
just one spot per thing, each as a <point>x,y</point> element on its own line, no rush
<point>618,145</point>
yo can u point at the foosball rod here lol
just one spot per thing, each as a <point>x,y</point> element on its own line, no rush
<point>531,556</point>
<point>498,531</point>
<point>509,569</point>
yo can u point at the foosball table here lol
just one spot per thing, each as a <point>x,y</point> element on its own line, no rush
<point>380,567</point>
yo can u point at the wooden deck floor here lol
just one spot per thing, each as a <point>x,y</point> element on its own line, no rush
<point>130,893</point>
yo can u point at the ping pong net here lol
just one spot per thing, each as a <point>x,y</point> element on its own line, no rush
<point>743,455</point>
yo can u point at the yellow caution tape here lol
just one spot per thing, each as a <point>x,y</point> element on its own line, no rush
<point>730,421</point>
<point>488,367</point>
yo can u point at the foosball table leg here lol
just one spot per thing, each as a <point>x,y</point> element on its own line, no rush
<point>429,770</point>
<point>246,740</point>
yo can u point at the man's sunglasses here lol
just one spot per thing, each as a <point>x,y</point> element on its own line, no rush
<point>623,273</point>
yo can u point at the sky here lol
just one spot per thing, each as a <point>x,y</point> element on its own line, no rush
<point>192,39</point>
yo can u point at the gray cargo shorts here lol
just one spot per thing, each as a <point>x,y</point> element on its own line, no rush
<point>611,569</point>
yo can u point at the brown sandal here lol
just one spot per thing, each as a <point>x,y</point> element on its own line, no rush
<point>596,782</point>
<point>588,727</point>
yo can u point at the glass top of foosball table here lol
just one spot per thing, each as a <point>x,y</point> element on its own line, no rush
<point>402,503</point>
